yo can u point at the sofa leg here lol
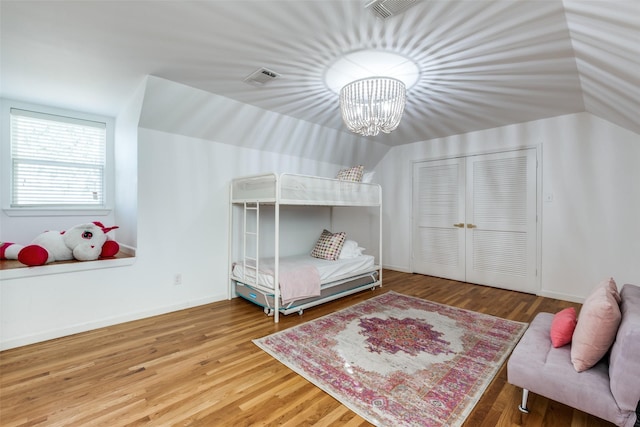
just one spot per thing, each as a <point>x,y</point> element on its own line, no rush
<point>523,405</point>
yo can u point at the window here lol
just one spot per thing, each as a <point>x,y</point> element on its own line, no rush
<point>57,161</point>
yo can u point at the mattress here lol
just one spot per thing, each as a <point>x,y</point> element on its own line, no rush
<point>304,190</point>
<point>331,291</point>
<point>329,270</point>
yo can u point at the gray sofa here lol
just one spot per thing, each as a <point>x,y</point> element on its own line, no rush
<point>610,390</point>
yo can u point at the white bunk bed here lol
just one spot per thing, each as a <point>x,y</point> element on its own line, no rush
<point>258,279</point>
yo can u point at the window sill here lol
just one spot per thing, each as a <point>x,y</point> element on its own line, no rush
<point>56,212</point>
<point>10,269</point>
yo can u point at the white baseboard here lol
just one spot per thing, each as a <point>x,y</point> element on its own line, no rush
<point>89,326</point>
<point>543,293</point>
<point>403,269</point>
<point>561,296</point>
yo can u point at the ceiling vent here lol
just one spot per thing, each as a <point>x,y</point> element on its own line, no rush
<point>261,76</point>
<point>387,8</point>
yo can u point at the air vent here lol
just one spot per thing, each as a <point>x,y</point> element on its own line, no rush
<point>387,8</point>
<point>261,76</point>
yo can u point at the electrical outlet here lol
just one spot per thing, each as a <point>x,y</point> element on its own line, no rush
<point>177,279</point>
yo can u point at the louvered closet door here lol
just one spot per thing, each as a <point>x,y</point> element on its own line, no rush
<point>501,211</point>
<point>475,219</point>
<point>438,204</point>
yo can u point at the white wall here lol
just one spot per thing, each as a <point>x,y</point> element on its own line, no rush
<point>589,231</point>
<point>126,169</point>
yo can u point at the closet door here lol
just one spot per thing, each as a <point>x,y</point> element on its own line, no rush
<point>438,216</point>
<point>501,220</point>
<point>475,219</point>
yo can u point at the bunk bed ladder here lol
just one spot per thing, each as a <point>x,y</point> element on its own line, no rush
<point>250,262</point>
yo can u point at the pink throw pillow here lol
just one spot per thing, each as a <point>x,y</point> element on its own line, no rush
<point>562,327</point>
<point>612,287</point>
<point>596,328</point>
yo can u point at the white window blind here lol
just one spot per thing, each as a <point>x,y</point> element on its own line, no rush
<point>57,161</point>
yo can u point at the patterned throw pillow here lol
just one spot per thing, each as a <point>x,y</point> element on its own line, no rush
<point>351,174</point>
<point>328,245</point>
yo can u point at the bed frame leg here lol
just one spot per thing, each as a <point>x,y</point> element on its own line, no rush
<point>523,405</point>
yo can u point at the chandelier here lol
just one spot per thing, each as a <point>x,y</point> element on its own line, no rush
<point>373,105</point>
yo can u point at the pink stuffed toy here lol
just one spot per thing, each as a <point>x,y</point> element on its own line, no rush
<point>84,242</point>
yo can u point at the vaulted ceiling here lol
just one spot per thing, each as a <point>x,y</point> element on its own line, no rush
<point>482,64</point>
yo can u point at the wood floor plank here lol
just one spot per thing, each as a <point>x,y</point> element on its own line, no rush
<point>199,367</point>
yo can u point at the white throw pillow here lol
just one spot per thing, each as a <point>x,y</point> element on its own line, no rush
<point>350,249</point>
<point>368,176</point>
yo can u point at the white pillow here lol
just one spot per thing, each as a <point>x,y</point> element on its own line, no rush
<point>350,249</point>
<point>368,176</point>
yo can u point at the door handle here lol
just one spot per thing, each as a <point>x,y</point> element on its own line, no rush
<point>471,226</point>
<point>459,225</point>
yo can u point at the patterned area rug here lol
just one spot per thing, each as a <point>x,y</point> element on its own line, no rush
<point>397,360</point>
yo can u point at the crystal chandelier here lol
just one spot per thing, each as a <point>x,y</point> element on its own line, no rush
<point>373,105</point>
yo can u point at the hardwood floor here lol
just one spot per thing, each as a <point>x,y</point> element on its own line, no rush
<point>199,367</point>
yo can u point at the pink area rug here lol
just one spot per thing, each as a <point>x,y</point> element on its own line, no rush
<point>397,360</point>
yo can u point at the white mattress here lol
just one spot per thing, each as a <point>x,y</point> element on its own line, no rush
<point>304,189</point>
<point>329,270</point>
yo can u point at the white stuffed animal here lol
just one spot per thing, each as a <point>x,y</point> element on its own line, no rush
<point>83,242</point>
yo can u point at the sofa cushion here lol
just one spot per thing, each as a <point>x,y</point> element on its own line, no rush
<point>596,328</point>
<point>624,362</point>
<point>562,327</point>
